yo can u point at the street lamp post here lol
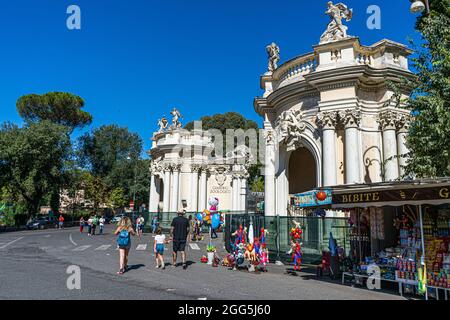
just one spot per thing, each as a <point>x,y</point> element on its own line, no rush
<point>134,186</point>
<point>418,6</point>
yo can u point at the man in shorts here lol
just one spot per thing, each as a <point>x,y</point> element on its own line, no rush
<point>179,233</point>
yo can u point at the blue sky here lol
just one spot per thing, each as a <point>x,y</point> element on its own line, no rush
<point>134,60</point>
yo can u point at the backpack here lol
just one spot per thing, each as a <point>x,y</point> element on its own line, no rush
<point>123,240</point>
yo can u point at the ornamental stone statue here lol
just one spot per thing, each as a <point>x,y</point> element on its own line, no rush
<point>176,124</point>
<point>274,56</point>
<point>162,124</point>
<point>336,30</point>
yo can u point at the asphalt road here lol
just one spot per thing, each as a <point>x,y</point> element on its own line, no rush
<point>34,264</point>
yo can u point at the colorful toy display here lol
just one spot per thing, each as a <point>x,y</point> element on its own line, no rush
<point>296,250</point>
<point>296,255</point>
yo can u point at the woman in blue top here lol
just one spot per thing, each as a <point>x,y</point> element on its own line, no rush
<point>124,232</point>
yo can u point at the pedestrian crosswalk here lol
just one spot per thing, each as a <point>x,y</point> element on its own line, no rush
<point>82,248</point>
<point>103,247</point>
<point>141,247</point>
<point>194,246</point>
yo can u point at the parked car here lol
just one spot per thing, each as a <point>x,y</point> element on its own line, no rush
<point>41,223</point>
<point>117,217</point>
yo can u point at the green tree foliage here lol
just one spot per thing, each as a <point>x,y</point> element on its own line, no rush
<point>95,190</point>
<point>117,199</point>
<point>429,137</point>
<point>222,122</point>
<point>231,120</point>
<point>113,154</point>
<point>32,160</point>
<point>58,107</point>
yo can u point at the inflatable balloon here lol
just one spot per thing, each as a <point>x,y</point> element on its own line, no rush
<point>199,217</point>
<point>214,203</point>
<point>215,221</point>
<point>207,217</point>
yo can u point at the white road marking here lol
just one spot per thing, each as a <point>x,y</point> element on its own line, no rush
<point>47,236</point>
<point>194,246</point>
<point>10,243</point>
<point>71,240</point>
<point>103,247</point>
<point>141,247</point>
<point>202,298</point>
<point>82,248</point>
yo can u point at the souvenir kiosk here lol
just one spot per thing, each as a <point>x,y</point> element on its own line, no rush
<point>391,223</point>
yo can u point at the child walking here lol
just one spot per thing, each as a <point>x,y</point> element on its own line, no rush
<point>158,248</point>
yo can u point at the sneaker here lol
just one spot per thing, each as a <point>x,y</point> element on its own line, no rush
<point>157,267</point>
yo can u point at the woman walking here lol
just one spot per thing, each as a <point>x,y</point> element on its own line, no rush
<point>81,224</point>
<point>124,232</point>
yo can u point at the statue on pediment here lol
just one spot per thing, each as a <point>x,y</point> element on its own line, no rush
<point>162,124</point>
<point>336,30</point>
<point>176,116</point>
<point>274,56</point>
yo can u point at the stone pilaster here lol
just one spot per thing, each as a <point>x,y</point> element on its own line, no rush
<point>328,120</point>
<point>351,118</point>
<point>402,125</point>
<point>167,178</point>
<point>387,120</point>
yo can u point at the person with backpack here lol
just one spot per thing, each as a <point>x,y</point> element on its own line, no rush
<point>124,232</point>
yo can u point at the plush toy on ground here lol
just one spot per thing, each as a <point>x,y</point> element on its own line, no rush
<point>263,259</point>
<point>240,235</point>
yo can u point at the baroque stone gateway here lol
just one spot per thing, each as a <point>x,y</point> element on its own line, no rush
<point>329,118</point>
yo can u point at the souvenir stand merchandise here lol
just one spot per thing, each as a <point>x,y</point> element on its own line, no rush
<point>436,227</point>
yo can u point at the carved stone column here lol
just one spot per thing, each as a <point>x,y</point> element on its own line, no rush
<point>174,204</point>
<point>402,125</point>
<point>236,191</point>
<point>327,120</point>
<point>167,178</point>
<point>203,190</point>
<point>194,187</point>
<point>387,120</point>
<point>351,119</point>
<point>155,171</point>
<point>269,171</point>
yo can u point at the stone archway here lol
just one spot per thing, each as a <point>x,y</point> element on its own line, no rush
<point>302,171</point>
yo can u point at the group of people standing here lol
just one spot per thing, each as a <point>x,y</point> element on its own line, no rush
<point>179,233</point>
<point>92,224</point>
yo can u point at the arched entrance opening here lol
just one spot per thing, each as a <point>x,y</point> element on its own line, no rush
<point>302,174</point>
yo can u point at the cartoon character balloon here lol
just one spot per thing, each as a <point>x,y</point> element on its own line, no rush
<point>199,217</point>
<point>214,203</point>
<point>207,217</point>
